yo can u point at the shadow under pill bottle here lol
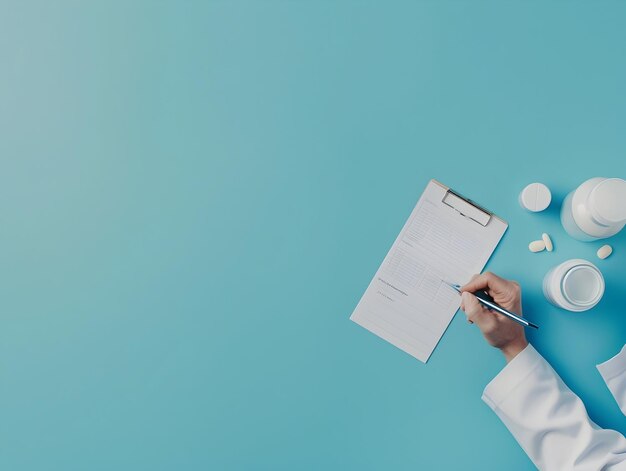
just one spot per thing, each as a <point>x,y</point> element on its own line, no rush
<point>576,285</point>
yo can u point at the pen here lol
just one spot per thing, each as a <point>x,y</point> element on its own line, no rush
<point>486,300</point>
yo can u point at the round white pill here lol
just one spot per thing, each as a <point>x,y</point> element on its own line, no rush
<point>536,246</point>
<point>535,197</point>
<point>547,241</point>
<point>604,251</point>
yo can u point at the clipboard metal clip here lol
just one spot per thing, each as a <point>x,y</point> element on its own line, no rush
<point>467,207</point>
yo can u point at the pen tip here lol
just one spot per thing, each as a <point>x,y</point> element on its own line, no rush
<point>456,288</point>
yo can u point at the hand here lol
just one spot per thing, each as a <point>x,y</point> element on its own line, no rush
<point>500,331</point>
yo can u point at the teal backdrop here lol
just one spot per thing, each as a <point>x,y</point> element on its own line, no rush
<point>194,196</point>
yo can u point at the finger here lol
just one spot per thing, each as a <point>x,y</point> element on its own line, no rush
<point>484,281</point>
<point>472,308</point>
<point>471,279</point>
<point>477,314</point>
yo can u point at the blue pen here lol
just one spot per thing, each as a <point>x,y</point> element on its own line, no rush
<point>487,301</point>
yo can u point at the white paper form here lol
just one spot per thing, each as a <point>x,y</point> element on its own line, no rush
<point>407,303</point>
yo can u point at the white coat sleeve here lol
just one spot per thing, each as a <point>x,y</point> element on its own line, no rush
<point>613,372</point>
<point>549,421</point>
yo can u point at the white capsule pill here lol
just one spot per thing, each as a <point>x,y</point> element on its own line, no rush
<point>536,246</point>
<point>547,241</point>
<point>604,251</point>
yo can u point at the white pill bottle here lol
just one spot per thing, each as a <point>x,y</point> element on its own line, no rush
<point>596,209</point>
<point>576,285</point>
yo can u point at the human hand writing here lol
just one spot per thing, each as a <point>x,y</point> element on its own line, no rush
<point>499,331</point>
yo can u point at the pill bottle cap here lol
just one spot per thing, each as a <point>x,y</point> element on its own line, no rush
<point>607,201</point>
<point>535,197</point>
<point>583,285</point>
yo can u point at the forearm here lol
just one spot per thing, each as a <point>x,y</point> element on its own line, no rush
<point>548,420</point>
<point>613,372</point>
<point>512,349</point>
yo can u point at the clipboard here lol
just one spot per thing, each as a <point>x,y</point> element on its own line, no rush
<point>447,237</point>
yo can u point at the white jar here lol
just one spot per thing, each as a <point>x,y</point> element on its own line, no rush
<point>596,209</point>
<point>576,285</point>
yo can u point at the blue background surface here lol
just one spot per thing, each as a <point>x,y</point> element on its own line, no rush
<point>194,196</point>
